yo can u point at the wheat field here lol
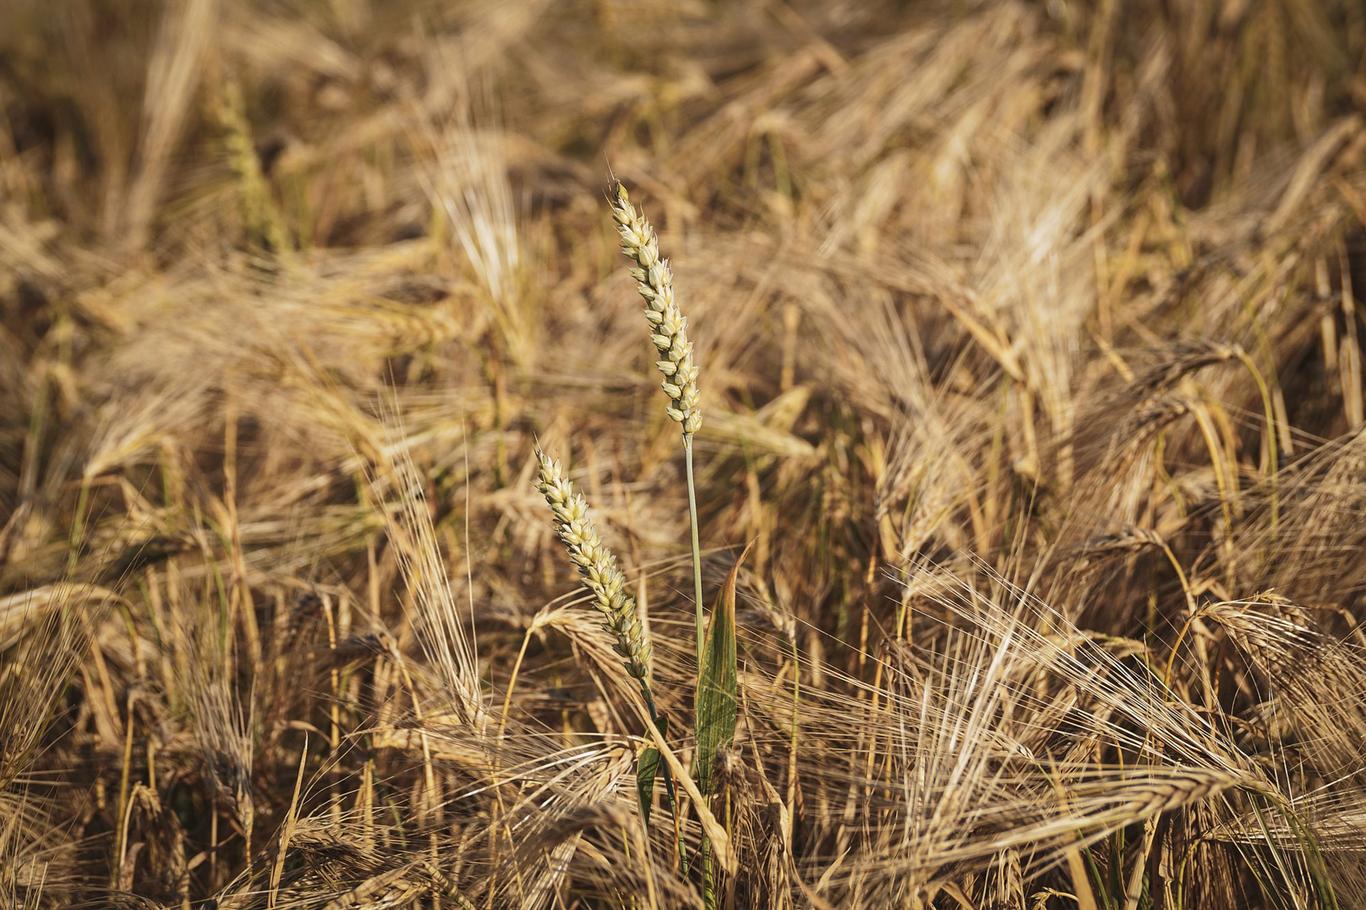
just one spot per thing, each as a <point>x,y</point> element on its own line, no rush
<point>999,388</point>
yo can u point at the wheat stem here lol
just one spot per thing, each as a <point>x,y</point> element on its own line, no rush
<point>696,546</point>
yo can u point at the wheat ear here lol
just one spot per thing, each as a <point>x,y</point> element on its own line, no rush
<point>669,332</point>
<point>597,566</point>
<point>668,326</point>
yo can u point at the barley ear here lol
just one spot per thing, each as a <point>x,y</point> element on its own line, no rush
<point>668,326</point>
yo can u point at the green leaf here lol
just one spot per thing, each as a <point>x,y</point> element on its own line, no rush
<point>715,705</point>
<point>648,765</point>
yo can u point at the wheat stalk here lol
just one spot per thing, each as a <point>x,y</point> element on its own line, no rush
<point>669,333</point>
<point>603,577</point>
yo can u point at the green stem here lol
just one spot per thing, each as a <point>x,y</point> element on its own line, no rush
<point>654,719</point>
<point>696,546</point>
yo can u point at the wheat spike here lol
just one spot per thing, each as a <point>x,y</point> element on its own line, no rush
<point>597,565</point>
<point>668,325</point>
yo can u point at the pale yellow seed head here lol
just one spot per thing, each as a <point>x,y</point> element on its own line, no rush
<point>597,565</point>
<point>668,327</point>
